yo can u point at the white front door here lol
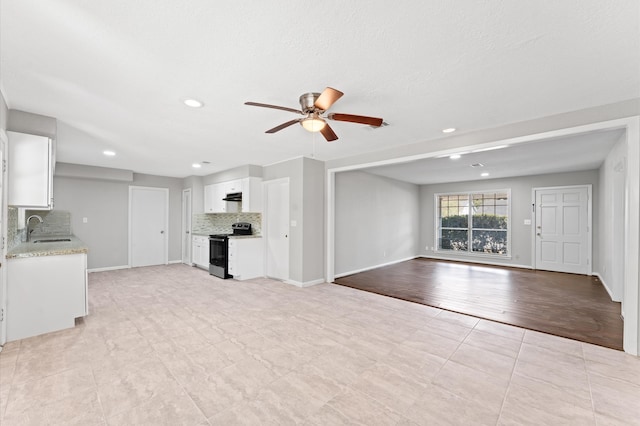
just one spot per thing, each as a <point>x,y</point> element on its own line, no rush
<point>186,226</point>
<point>148,225</point>
<point>563,229</point>
<point>277,228</point>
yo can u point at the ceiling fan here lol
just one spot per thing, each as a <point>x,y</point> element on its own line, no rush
<point>313,106</point>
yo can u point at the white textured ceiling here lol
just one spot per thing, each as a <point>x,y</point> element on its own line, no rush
<point>554,155</point>
<point>114,72</point>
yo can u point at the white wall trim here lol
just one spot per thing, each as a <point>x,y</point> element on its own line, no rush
<point>368,268</point>
<point>604,284</point>
<point>173,262</point>
<point>479,262</point>
<point>108,268</point>
<point>306,283</point>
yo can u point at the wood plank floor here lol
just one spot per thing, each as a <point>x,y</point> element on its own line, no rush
<point>567,305</point>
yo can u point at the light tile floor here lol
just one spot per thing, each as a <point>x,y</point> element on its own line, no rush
<point>173,345</point>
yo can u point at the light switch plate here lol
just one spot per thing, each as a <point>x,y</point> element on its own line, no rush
<point>294,223</point>
<point>527,221</point>
<point>85,220</point>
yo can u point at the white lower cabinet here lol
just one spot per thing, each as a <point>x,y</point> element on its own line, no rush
<point>45,294</point>
<point>246,258</point>
<point>200,251</point>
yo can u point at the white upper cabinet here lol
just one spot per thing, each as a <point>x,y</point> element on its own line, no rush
<point>251,189</point>
<point>30,171</point>
<point>232,186</point>
<point>213,195</point>
<point>252,195</point>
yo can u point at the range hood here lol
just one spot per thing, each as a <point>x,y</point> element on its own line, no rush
<point>234,196</point>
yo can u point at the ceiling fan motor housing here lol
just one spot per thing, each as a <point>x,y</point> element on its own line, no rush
<point>307,102</point>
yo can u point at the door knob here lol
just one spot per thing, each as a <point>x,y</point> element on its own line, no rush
<point>538,234</point>
<point>162,232</point>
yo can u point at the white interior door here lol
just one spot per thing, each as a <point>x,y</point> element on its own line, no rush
<point>563,229</point>
<point>277,228</point>
<point>186,226</point>
<point>148,224</point>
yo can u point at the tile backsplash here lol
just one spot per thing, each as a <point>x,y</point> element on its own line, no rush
<point>13,236</point>
<point>54,223</point>
<point>220,223</point>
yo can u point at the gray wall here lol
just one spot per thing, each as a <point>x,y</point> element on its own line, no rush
<point>105,203</point>
<point>235,173</point>
<point>313,220</point>
<point>306,208</point>
<point>35,124</point>
<point>610,262</point>
<point>376,221</point>
<point>521,242</point>
<point>197,193</point>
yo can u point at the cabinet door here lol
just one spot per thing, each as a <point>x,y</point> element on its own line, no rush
<point>209,196</point>
<point>220,192</point>
<point>195,251</point>
<point>30,171</point>
<point>252,194</point>
<point>204,252</point>
<point>233,186</point>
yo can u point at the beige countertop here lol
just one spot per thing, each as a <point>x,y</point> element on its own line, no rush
<point>34,249</point>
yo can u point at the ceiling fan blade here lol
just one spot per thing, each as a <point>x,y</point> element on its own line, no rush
<point>273,106</point>
<point>284,125</point>
<point>371,121</point>
<point>328,133</point>
<point>327,98</point>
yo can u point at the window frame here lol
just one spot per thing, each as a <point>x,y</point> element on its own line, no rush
<point>470,228</point>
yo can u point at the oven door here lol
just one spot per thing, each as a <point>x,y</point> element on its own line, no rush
<point>218,251</point>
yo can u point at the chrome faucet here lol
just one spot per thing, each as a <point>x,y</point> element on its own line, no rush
<point>28,219</point>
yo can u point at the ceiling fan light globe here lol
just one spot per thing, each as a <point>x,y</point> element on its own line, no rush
<point>313,124</point>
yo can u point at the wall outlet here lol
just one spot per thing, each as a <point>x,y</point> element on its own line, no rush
<point>85,220</point>
<point>384,253</point>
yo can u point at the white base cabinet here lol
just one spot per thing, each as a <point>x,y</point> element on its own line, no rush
<point>246,258</point>
<point>200,251</point>
<point>45,294</point>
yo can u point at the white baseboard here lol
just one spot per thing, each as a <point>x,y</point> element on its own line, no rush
<point>480,261</point>
<point>108,268</point>
<point>604,284</point>
<point>306,283</point>
<point>171,262</point>
<point>368,268</point>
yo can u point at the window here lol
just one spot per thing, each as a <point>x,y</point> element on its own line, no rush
<point>476,222</point>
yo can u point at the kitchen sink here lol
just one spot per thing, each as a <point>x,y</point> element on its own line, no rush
<point>53,240</point>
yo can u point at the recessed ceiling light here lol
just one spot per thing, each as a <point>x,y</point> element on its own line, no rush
<point>196,165</point>
<point>485,174</point>
<point>455,156</point>
<point>109,153</point>
<point>193,103</point>
<point>449,130</point>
